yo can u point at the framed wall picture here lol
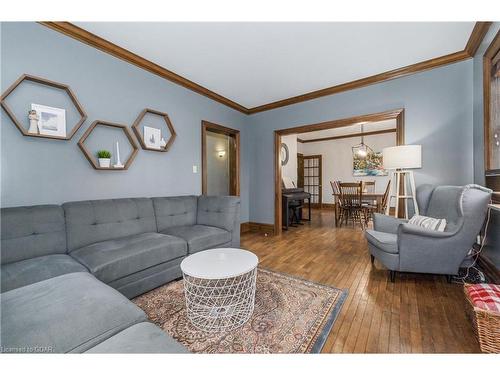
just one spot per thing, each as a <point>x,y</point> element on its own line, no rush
<point>51,121</point>
<point>370,165</point>
<point>152,137</point>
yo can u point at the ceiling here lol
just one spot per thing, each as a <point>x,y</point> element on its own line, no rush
<point>257,63</point>
<point>351,129</point>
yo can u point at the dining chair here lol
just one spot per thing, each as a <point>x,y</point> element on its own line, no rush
<point>336,199</point>
<point>385,198</point>
<point>351,198</point>
<point>372,207</point>
<point>368,187</point>
<point>370,204</point>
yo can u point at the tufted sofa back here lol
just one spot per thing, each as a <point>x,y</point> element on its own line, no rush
<point>222,212</point>
<point>88,222</point>
<point>33,231</point>
<point>175,211</point>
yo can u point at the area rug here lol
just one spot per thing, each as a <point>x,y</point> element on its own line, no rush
<point>291,316</point>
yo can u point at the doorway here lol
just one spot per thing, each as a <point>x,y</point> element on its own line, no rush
<point>397,115</point>
<point>220,164</point>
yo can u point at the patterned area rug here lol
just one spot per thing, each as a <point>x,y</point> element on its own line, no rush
<point>291,316</point>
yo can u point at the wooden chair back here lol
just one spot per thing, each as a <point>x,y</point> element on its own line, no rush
<point>335,187</point>
<point>385,198</point>
<point>351,193</point>
<point>335,192</point>
<point>369,187</point>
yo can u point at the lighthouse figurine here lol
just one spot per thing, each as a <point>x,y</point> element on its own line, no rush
<point>118,163</point>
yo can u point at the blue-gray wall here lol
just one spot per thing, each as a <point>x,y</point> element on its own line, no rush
<point>437,103</point>
<point>478,104</point>
<point>438,115</point>
<point>37,171</point>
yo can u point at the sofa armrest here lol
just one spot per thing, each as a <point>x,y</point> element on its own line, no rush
<point>387,224</point>
<point>221,212</point>
<point>429,251</point>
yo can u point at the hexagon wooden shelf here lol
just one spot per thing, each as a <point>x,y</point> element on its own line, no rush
<point>139,135</point>
<point>42,81</point>
<point>92,159</point>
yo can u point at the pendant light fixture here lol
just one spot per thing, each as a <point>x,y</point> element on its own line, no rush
<point>361,150</point>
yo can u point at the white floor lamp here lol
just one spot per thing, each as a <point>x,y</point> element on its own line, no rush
<point>400,160</point>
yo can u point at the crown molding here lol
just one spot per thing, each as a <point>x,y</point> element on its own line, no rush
<point>479,31</point>
<point>104,45</point>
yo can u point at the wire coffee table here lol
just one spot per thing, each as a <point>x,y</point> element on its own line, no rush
<point>219,286</point>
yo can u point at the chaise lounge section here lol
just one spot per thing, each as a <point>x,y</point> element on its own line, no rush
<point>57,260</point>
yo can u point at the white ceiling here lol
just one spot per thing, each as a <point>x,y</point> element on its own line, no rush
<point>258,63</point>
<point>351,129</point>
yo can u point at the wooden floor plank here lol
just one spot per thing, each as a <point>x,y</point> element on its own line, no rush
<point>415,314</point>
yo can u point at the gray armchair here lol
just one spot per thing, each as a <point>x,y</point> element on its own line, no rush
<point>403,247</point>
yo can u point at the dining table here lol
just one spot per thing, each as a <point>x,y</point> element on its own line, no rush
<point>376,198</point>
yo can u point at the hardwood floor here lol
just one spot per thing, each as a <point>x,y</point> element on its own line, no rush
<point>415,314</point>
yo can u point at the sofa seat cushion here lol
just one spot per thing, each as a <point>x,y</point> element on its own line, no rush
<point>113,259</point>
<point>140,338</point>
<point>387,242</point>
<point>200,237</point>
<point>68,313</point>
<point>29,271</point>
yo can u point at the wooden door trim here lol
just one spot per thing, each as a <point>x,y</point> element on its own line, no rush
<point>352,135</point>
<point>230,132</point>
<point>397,114</point>
<point>490,53</point>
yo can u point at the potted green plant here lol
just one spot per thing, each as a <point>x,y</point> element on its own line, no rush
<point>104,157</point>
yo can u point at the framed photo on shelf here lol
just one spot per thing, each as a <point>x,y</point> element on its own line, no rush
<point>51,121</point>
<point>152,137</point>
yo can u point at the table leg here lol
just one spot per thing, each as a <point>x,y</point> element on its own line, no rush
<point>286,214</point>
<point>309,200</point>
<point>336,212</point>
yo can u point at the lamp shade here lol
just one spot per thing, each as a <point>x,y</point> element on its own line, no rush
<point>402,157</point>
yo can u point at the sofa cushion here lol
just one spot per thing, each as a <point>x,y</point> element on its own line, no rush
<point>143,281</point>
<point>29,271</point>
<point>220,212</point>
<point>384,241</point>
<point>200,237</point>
<point>114,259</point>
<point>140,338</point>
<point>175,211</point>
<point>88,222</point>
<point>29,232</point>
<point>68,313</point>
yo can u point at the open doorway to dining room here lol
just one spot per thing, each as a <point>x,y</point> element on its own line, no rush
<point>308,157</point>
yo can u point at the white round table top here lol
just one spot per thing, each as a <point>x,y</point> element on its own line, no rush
<point>219,263</point>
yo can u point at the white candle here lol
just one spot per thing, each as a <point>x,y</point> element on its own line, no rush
<point>118,161</point>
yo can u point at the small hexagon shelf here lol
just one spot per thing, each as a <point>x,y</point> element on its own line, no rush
<point>42,81</point>
<point>139,135</point>
<point>92,159</point>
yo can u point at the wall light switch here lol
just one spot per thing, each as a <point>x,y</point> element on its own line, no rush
<point>195,169</point>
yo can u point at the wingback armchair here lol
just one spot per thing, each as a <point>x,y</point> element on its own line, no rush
<point>403,247</point>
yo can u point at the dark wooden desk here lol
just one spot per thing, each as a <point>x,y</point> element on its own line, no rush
<point>372,197</point>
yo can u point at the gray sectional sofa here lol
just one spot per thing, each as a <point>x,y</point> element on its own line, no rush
<point>67,272</point>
